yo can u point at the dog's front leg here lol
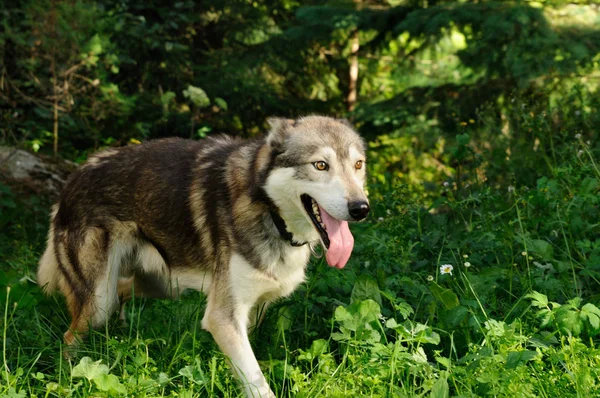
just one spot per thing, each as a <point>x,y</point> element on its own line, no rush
<point>228,327</point>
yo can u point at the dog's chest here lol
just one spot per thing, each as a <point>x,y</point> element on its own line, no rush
<point>278,278</point>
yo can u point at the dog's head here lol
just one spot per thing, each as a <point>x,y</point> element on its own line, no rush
<point>317,181</point>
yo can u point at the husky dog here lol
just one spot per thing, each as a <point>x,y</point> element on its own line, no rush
<point>236,219</point>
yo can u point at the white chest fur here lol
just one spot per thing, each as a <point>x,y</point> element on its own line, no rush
<point>279,277</point>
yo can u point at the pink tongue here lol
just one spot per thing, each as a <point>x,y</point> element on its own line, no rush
<point>341,240</point>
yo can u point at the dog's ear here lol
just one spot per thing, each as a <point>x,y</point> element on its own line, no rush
<point>280,128</point>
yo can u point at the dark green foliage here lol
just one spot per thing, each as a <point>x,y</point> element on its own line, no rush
<point>481,119</point>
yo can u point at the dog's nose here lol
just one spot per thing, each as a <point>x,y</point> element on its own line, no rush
<point>358,210</point>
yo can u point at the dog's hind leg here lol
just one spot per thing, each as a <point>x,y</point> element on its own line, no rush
<point>98,259</point>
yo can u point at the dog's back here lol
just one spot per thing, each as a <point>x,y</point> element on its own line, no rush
<point>128,211</point>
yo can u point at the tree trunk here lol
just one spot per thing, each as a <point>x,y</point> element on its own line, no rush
<point>55,124</point>
<point>54,83</point>
<point>352,85</point>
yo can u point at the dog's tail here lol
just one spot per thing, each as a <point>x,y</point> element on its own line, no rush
<point>48,272</point>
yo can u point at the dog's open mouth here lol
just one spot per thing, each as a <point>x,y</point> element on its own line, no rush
<point>312,208</point>
<point>335,234</point>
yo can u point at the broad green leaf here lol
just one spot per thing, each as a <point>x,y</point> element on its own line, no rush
<point>284,318</point>
<point>440,388</point>
<point>194,373</point>
<point>538,299</point>
<point>569,321</point>
<point>358,314</point>
<point>404,309</point>
<point>365,287</point>
<point>496,328</point>
<point>541,248</point>
<point>589,185</point>
<point>592,314</point>
<point>414,332</point>
<point>463,139</point>
<point>197,96</point>
<point>358,318</point>
<point>516,358</point>
<point>575,302</point>
<point>419,356</point>
<point>342,316</point>
<point>12,393</point>
<point>167,97</point>
<point>391,323</point>
<point>445,296</point>
<point>317,348</point>
<point>368,311</point>
<point>163,378</point>
<point>94,46</point>
<point>221,103</point>
<point>89,369</point>
<point>446,362</point>
<point>455,316</point>
<point>340,336</point>
<point>546,317</point>
<point>107,382</point>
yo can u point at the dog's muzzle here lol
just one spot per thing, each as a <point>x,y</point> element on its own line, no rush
<point>358,210</point>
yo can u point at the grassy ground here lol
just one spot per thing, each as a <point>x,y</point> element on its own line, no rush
<point>517,315</point>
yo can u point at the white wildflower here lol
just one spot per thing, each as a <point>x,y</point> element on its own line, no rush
<point>446,269</point>
<point>446,184</point>
<point>465,256</point>
<point>577,136</point>
<point>511,189</point>
<point>430,278</point>
<point>467,264</point>
<point>579,153</point>
<point>380,219</point>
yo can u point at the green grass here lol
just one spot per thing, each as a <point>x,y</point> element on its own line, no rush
<point>518,316</point>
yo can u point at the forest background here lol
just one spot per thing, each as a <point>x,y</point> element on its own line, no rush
<point>481,119</point>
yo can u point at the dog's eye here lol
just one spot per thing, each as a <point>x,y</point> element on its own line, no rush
<point>358,165</point>
<point>321,165</point>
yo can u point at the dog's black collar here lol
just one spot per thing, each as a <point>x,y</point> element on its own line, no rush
<point>282,228</point>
